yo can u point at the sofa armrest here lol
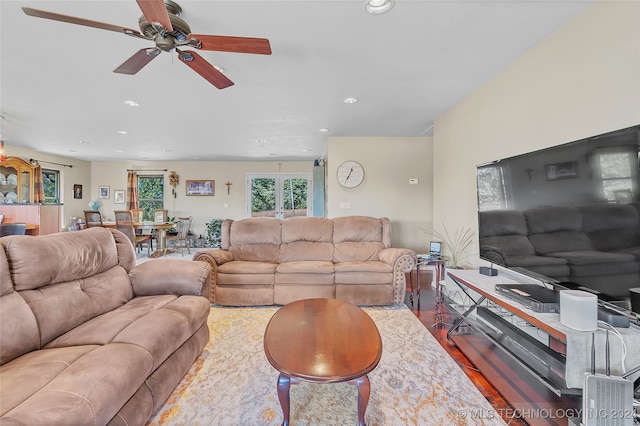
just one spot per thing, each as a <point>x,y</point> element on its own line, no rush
<point>493,254</point>
<point>403,261</point>
<point>215,257</point>
<point>171,276</point>
<point>392,254</point>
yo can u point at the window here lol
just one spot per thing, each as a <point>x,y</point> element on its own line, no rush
<point>150,194</point>
<point>51,186</point>
<point>617,175</point>
<point>279,195</point>
<point>493,193</point>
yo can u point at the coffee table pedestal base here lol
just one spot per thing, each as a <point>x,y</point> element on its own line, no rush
<point>361,383</point>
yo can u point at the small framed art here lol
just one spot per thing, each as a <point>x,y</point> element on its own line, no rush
<point>201,187</point>
<point>118,196</point>
<point>566,170</point>
<point>103,192</point>
<point>77,191</point>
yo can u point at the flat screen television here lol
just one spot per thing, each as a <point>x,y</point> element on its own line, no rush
<point>601,169</point>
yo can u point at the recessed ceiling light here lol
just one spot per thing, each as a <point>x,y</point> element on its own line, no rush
<point>306,150</point>
<point>196,158</point>
<point>84,142</point>
<point>123,132</point>
<point>119,150</point>
<point>166,150</point>
<point>73,150</point>
<point>378,7</point>
<point>261,141</point>
<point>323,130</point>
<point>131,103</point>
<point>350,100</point>
<point>273,154</point>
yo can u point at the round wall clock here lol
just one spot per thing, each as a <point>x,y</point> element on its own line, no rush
<point>350,174</point>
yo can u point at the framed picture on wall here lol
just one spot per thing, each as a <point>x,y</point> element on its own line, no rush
<point>566,170</point>
<point>103,192</point>
<point>118,196</point>
<point>200,187</point>
<point>77,192</point>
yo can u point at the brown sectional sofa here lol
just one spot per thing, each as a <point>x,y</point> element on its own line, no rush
<point>266,261</point>
<point>88,338</point>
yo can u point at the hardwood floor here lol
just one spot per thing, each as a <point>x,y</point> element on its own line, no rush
<point>515,395</point>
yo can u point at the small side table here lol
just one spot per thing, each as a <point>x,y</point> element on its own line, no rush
<point>438,264</point>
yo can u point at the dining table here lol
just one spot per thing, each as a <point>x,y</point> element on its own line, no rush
<point>162,228</point>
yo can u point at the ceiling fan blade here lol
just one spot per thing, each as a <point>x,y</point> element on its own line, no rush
<point>136,62</point>
<point>78,21</point>
<point>155,11</point>
<point>259,46</point>
<point>204,68</point>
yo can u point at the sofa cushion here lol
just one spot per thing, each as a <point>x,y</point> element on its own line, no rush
<point>240,273</point>
<point>306,250</point>
<point>306,266</point>
<point>495,223</point>
<point>82,299</point>
<point>306,238</point>
<point>367,272</point>
<point>356,251</point>
<point>90,389</point>
<point>562,241</point>
<point>611,226</point>
<point>61,257</point>
<point>357,228</point>
<point>553,219</point>
<point>256,239</point>
<point>510,245</point>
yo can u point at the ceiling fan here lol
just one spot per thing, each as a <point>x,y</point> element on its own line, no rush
<point>161,23</point>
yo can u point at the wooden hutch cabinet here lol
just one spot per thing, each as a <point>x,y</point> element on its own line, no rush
<point>16,181</point>
<point>17,192</point>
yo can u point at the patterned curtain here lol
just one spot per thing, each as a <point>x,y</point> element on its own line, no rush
<point>132,191</point>
<point>38,189</point>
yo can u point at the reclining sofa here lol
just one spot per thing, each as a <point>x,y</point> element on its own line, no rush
<point>87,338</point>
<point>266,261</point>
<point>596,246</point>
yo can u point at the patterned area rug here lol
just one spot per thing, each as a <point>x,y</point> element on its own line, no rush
<point>232,383</point>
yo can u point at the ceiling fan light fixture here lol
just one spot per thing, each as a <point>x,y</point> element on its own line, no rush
<point>378,7</point>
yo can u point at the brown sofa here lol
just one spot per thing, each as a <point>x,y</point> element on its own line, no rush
<point>88,338</point>
<point>266,261</point>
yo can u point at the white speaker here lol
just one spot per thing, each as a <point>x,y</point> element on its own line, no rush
<point>579,310</point>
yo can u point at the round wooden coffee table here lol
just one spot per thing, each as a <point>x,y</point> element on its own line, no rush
<point>322,341</point>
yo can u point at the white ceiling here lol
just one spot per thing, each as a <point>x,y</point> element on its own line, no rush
<point>406,68</point>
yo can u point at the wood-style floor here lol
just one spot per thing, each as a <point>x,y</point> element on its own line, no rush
<point>516,396</point>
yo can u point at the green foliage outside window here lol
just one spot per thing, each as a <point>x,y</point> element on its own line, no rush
<point>263,194</point>
<point>51,186</point>
<point>150,194</point>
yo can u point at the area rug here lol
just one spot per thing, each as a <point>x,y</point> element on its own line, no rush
<point>232,383</point>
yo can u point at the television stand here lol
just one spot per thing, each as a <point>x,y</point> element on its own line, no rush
<point>537,342</point>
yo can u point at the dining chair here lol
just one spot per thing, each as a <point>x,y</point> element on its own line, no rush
<point>12,229</point>
<point>160,215</point>
<point>138,216</point>
<point>124,224</point>
<point>92,218</point>
<point>181,239</point>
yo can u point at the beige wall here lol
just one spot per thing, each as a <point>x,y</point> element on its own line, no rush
<point>202,208</point>
<point>388,164</point>
<point>79,173</point>
<point>583,80</point>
